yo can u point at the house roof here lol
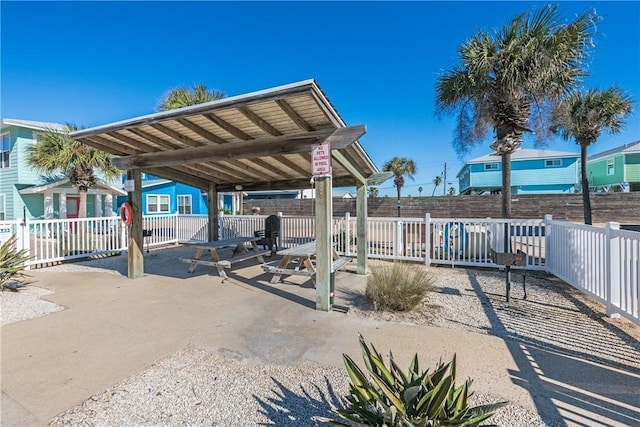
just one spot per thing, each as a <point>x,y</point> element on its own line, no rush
<point>31,124</point>
<point>42,188</point>
<point>258,141</point>
<point>633,147</point>
<point>520,154</point>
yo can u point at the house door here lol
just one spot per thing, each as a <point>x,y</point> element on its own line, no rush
<point>73,206</point>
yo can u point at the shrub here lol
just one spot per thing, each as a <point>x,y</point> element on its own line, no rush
<point>388,397</point>
<point>397,286</point>
<point>12,261</point>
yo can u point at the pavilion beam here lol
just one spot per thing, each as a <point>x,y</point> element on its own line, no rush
<point>135,252</point>
<point>287,144</point>
<point>349,166</point>
<point>174,175</point>
<point>324,213</point>
<point>282,185</point>
<point>361,226</point>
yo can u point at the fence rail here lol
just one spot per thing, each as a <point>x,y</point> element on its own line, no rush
<point>602,262</point>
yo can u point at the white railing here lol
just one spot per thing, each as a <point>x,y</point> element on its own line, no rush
<point>54,240</point>
<point>470,241</point>
<point>602,262</point>
<point>192,227</point>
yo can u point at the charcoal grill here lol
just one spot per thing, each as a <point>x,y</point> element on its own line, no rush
<point>508,260</point>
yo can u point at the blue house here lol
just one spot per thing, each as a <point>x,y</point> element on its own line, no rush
<point>162,196</point>
<point>532,172</point>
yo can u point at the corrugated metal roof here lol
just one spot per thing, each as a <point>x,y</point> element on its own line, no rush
<point>285,119</point>
<point>31,124</point>
<point>633,147</point>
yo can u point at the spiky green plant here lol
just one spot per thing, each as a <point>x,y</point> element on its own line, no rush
<point>12,261</point>
<point>386,396</point>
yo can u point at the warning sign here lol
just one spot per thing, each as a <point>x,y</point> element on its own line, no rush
<point>321,159</point>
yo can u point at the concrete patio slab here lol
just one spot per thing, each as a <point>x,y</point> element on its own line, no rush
<point>113,327</point>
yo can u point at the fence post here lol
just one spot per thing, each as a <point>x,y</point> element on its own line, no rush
<point>23,239</point>
<point>398,243</point>
<point>427,239</point>
<point>347,233</point>
<point>612,268</point>
<point>123,238</point>
<point>548,268</point>
<point>221,225</point>
<point>176,225</point>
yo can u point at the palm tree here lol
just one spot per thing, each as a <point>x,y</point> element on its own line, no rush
<point>510,76</point>
<point>582,116</point>
<point>373,192</point>
<point>400,166</point>
<point>451,192</point>
<point>183,97</point>
<point>56,152</point>
<point>437,181</point>
<point>420,191</point>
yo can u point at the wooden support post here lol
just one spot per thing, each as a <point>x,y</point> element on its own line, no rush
<point>324,213</point>
<point>212,210</point>
<point>361,214</point>
<point>135,257</point>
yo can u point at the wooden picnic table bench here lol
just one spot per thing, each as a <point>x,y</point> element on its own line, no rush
<point>304,254</point>
<point>238,243</point>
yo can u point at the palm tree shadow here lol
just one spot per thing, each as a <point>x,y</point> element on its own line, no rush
<point>291,408</point>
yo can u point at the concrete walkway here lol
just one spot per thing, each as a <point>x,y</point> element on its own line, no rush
<point>114,327</point>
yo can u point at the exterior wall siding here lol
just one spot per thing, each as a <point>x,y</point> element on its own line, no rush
<point>632,168</point>
<point>597,171</point>
<point>527,176</point>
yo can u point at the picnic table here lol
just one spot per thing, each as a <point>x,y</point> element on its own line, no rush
<point>303,254</point>
<point>238,243</point>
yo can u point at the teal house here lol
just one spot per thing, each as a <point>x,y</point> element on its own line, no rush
<point>23,192</point>
<point>532,172</point>
<point>616,170</point>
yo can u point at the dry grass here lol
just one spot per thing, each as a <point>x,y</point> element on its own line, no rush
<point>397,286</point>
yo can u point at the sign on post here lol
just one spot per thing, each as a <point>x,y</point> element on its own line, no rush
<point>5,233</point>
<point>321,159</point>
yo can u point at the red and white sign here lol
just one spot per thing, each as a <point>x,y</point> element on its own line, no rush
<point>321,159</point>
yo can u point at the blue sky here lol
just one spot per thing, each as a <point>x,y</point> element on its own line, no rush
<point>92,63</point>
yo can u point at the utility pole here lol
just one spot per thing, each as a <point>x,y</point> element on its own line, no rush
<point>444,181</point>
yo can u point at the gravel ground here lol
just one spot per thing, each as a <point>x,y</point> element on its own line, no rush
<point>196,388</point>
<point>25,304</point>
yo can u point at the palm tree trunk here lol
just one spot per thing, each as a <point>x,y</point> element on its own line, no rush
<point>506,185</point>
<point>586,200</point>
<point>82,209</point>
<point>398,188</point>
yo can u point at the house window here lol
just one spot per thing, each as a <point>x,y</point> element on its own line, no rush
<point>611,167</point>
<point>553,163</point>
<point>5,151</point>
<point>491,166</point>
<point>184,204</point>
<point>157,203</point>
<point>3,214</point>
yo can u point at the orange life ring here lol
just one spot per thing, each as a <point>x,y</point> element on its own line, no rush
<point>126,213</point>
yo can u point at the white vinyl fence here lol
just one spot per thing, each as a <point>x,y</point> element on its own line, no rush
<point>603,262</point>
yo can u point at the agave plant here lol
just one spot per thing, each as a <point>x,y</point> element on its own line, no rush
<point>389,397</point>
<point>12,261</point>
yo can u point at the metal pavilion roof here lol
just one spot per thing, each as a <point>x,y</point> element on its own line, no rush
<point>259,141</point>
